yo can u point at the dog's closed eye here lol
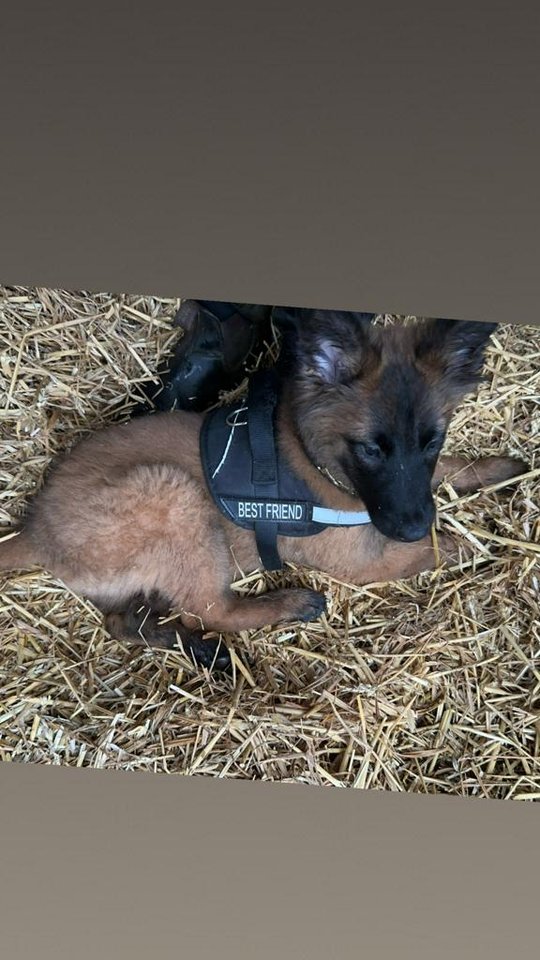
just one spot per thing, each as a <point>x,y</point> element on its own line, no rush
<point>431,442</point>
<point>372,451</point>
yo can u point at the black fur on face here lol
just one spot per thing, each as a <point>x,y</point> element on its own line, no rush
<point>390,460</point>
<point>372,405</point>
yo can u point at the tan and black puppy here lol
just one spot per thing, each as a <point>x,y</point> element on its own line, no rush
<point>126,519</point>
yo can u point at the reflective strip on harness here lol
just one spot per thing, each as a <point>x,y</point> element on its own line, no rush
<point>339,518</point>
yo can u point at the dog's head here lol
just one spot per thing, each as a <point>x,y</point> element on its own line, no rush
<point>372,405</point>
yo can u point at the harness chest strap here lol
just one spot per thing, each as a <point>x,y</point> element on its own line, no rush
<point>250,482</point>
<point>262,401</point>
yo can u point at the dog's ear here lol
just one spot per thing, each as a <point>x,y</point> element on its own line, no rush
<point>456,347</point>
<point>329,346</point>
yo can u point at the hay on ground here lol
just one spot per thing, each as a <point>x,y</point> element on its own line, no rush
<point>429,685</point>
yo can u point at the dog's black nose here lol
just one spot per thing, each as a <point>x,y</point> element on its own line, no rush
<point>405,526</point>
<point>411,532</point>
<point>415,525</point>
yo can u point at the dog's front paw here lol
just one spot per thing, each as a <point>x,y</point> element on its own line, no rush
<point>312,605</point>
<point>494,470</point>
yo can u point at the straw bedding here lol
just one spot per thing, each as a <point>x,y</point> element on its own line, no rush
<point>429,685</point>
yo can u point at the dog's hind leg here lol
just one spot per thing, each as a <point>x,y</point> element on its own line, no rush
<point>141,623</point>
<point>197,577</point>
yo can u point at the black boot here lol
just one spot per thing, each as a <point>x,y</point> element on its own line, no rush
<point>218,338</point>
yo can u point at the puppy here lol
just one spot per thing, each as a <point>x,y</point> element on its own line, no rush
<point>126,519</point>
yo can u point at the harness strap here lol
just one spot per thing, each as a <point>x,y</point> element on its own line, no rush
<point>261,403</point>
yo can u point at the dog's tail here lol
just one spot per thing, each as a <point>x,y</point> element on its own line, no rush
<point>16,552</point>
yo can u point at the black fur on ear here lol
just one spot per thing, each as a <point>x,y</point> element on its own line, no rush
<point>324,345</point>
<point>458,346</point>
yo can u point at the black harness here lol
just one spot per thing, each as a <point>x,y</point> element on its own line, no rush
<point>251,482</point>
